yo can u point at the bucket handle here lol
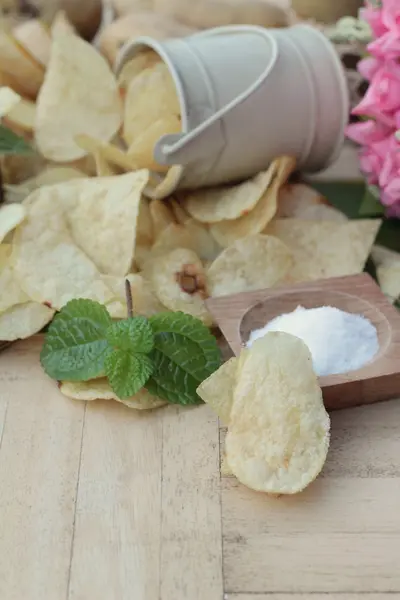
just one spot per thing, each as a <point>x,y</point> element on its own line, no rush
<point>169,146</point>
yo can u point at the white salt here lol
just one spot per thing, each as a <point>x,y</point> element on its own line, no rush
<point>339,342</point>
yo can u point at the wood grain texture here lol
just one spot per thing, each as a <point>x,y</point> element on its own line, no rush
<point>191,510</point>
<point>239,314</point>
<point>39,462</point>
<point>340,535</point>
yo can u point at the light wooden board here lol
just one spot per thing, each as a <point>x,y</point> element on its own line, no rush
<point>102,502</point>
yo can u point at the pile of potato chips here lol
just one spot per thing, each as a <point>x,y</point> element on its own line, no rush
<point>78,219</point>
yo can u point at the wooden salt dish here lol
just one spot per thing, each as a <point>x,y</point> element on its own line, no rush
<point>239,314</point>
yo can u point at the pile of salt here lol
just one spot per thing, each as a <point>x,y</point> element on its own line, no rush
<point>339,342</point>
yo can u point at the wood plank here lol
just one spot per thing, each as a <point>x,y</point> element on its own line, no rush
<point>117,534</point>
<point>346,525</point>
<point>191,553</point>
<point>39,462</point>
<point>313,597</point>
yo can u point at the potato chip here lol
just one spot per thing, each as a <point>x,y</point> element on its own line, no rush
<point>144,233</point>
<point>11,215</point>
<point>110,152</point>
<point>278,435</point>
<point>180,214</point>
<point>162,187</point>
<point>217,390</point>
<point>103,167</point>
<point>301,201</point>
<point>254,262</point>
<point>151,96</point>
<point>99,389</point>
<point>22,116</point>
<point>79,96</point>
<point>8,100</point>
<point>145,301</point>
<point>227,232</point>
<point>142,148</point>
<point>47,262</point>
<point>229,201</point>
<point>321,212</point>
<point>143,60</point>
<point>142,255</point>
<point>23,320</point>
<point>34,36</point>
<point>388,274</point>
<point>10,290</point>
<point>161,215</point>
<point>49,176</point>
<point>103,220</point>
<point>179,281</point>
<point>325,248</point>
<point>27,73</point>
<point>191,235</point>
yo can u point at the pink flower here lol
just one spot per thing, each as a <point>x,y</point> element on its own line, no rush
<point>391,164</point>
<point>370,164</point>
<point>373,16</point>
<point>383,94</point>
<point>386,47</point>
<point>368,67</point>
<point>367,132</point>
<point>390,196</point>
<point>390,15</point>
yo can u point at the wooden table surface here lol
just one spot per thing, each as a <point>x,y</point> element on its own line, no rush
<point>99,502</point>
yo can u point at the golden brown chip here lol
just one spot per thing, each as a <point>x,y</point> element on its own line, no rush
<point>15,61</point>
<point>217,390</point>
<point>141,150</point>
<point>34,36</point>
<point>23,320</point>
<point>180,214</point>
<point>179,281</point>
<point>145,233</point>
<point>79,96</point>
<point>324,249</point>
<point>110,152</point>
<point>161,215</point>
<point>48,264</point>
<point>151,96</point>
<point>227,232</point>
<point>254,262</point>
<point>191,235</point>
<point>11,215</point>
<point>229,201</point>
<point>145,301</point>
<point>99,389</point>
<point>278,435</point>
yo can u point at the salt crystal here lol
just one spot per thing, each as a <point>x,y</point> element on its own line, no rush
<point>339,342</point>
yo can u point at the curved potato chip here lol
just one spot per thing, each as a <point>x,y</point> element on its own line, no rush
<point>22,116</point>
<point>217,390</point>
<point>34,36</point>
<point>79,96</point>
<point>145,301</point>
<point>294,198</point>
<point>254,262</point>
<point>144,234</point>
<point>150,96</point>
<point>161,215</point>
<point>325,248</point>
<point>103,220</point>
<point>191,235</point>
<point>229,201</point>
<point>227,232</point>
<point>178,279</point>
<point>143,60</point>
<point>110,152</point>
<point>99,389</point>
<point>180,214</point>
<point>278,434</point>
<point>388,274</point>
<point>23,320</point>
<point>162,186</point>
<point>20,65</point>
<point>141,149</point>
<point>8,100</point>
<point>10,290</point>
<point>11,215</point>
<point>47,263</point>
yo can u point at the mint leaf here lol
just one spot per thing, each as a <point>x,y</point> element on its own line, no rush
<point>185,353</point>
<point>75,345</point>
<point>133,334</point>
<point>127,372</point>
<point>11,143</point>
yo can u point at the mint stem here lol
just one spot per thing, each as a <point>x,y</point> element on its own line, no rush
<point>129,302</point>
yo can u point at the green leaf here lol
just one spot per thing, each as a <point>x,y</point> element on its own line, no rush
<point>370,205</point>
<point>127,372</point>
<point>133,334</point>
<point>346,196</point>
<point>75,345</point>
<point>11,143</point>
<point>185,353</point>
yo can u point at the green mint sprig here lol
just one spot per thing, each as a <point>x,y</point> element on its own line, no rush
<point>11,143</point>
<point>170,354</point>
